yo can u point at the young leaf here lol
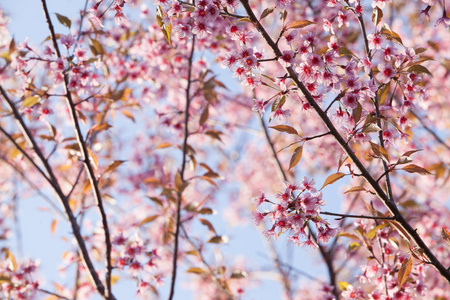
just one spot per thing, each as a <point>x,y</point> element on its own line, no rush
<point>96,47</point>
<point>64,20</point>
<point>128,114</point>
<point>404,271</point>
<point>30,101</point>
<point>148,220</point>
<point>377,15</point>
<point>353,246</point>
<point>380,152</point>
<point>332,179</point>
<point>357,112</point>
<point>371,127</point>
<point>343,285</point>
<point>356,189</point>
<point>266,12</point>
<point>204,115</point>
<point>196,271</point>
<point>412,168</point>
<point>419,69</point>
<point>239,274</point>
<point>114,165</point>
<point>349,235</point>
<point>208,224</point>
<point>446,235</point>
<point>296,157</point>
<point>219,239</point>
<point>163,145</point>
<point>285,128</point>
<point>300,24</point>
<point>342,160</point>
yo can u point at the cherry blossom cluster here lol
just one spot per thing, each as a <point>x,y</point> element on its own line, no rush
<point>17,280</point>
<point>297,207</point>
<point>132,254</point>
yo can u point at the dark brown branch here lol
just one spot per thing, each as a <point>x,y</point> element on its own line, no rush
<point>183,167</point>
<point>412,234</point>
<point>107,294</point>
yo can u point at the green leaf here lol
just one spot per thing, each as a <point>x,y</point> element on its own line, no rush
<point>332,179</point>
<point>349,235</point>
<point>296,157</point>
<point>343,285</point>
<point>353,246</point>
<point>64,20</point>
<point>372,232</point>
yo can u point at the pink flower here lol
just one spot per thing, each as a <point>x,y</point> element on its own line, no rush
<point>386,73</point>
<point>374,41</point>
<point>280,114</point>
<point>328,26</point>
<point>257,218</point>
<point>270,233</point>
<point>287,58</point>
<point>259,107</point>
<point>350,101</point>
<point>306,73</point>
<point>343,20</point>
<point>259,199</point>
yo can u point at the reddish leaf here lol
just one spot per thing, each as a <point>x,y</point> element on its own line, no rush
<point>266,12</point>
<point>114,165</point>
<point>148,220</point>
<point>404,271</point>
<point>446,235</point>
<point>285,128</point>
<point>296,157</point>
<point>356,189</point>
<point>412,168</point>
<point>300,24</point>
<point>196,271</point>
<point>208,224</point>
<point>380,152</point>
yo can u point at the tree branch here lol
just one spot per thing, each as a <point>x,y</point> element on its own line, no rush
<point>183,167</point>
<point>343,216</point>
<point>107,294</point>
<point>412,234</point>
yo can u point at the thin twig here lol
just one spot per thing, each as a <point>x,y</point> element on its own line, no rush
<point>343,216</point>
<point>183,167</point>
<point>211,271</point>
